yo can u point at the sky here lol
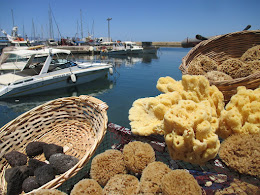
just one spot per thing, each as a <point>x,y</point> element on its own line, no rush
<point>135,20</point>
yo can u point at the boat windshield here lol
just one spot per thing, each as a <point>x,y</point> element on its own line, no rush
<point>58,64</point>
<point>15,58</point>
<point>18,58</point>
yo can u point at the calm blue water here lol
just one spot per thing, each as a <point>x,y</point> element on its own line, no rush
<point>136,77</point>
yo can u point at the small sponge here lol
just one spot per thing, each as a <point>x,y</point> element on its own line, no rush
<point>48,192</point>
<point>15,158</point>
<point>151,177</point>
<point>62,162</point>
<point>30,184</point>
<point>137,155</point>
<point>180,182</point>
<point>87,186</point>
<point>122,184</point>
<point>44,174</point>
<point>34,148</point>
<point>106,165</point>
<point>50,149</point>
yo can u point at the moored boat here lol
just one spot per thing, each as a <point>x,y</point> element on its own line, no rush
<point>132,47</point>
<point>51,73</point>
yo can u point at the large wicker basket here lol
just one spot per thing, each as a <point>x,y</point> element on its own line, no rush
<point>222,47</point>
<point>76,123</point>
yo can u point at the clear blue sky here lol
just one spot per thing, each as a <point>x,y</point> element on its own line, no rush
<point>137,20</point>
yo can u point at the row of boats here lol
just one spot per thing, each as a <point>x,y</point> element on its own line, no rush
<point>27,71</point>
<point>127,47</point>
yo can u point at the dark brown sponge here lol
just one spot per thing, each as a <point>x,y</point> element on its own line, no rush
<point>30,184</point>
<point>34,148</point>
<point>15,158</point>
<point>50,149</point>
<point>44,174</point>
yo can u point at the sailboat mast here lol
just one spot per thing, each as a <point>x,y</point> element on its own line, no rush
<point>81,24</point>
<point>12,16</point>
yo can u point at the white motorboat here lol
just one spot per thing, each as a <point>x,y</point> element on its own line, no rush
<point>132,47</point>
<point>13,59</point>
<point>117,49</point>
<point>51,73</point>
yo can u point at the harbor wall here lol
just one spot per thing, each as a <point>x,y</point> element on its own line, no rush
<point>96,50</point>
<point>163,44</point>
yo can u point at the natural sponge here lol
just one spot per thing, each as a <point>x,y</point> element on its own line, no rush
<point>196,88</point>
<point>137,155</point>
<point>217,76</point>
<point>44,174</point>
<point>122,184</point>
<point>33,164</point>
<point>15,181</point>
<point>239,187</point>
<point>150,182</point>
<point>190,132</point>
<point>50,149</point>
<point>242,153</point>
<point>10,171</point>
<point>87,186</point>
<point>180,182</point>
<point>30,184</point>
<point>62,162</point>
<point>34,148</point>
<point>235,68</point>
<point>146,114</point>
<point>205,63</point>
<point>48,192</point>
<point>106,165</point>
<point>241,114</point>
<point>251,54</point>
<point>15,158</point>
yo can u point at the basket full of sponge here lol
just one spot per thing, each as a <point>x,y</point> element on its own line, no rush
<point>49,144</point>
<point>228,61</point>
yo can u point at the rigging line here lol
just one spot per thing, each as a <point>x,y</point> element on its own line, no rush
<point>55,22</point>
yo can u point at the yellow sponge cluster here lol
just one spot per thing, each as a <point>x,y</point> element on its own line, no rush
<point>242,113</point>
<point>186,114</point>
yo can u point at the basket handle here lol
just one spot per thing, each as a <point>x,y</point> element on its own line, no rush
<point>99,103</point>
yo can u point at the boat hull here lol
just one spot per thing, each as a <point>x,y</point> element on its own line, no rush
<point>53,82</point>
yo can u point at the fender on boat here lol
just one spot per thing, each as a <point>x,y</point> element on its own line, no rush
<point>73,78</point>
<point>111,71</point>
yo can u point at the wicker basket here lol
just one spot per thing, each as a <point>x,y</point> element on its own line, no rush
<point>76,123</point>
<point>221,48</point>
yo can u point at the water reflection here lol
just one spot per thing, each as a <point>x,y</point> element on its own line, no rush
<point>11,108</point>
<point>117,60</point>
<point>23,104</point>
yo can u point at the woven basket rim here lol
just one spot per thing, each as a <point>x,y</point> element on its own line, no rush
<point>185,64</point>
<point>92,102</point>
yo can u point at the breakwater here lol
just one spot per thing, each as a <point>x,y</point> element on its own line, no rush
<point>163,44</point>
<point>96,49</point>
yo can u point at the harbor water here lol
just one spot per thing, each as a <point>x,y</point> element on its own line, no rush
<point>134,77</point>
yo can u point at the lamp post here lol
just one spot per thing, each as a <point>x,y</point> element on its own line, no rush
<point>108,20</point>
